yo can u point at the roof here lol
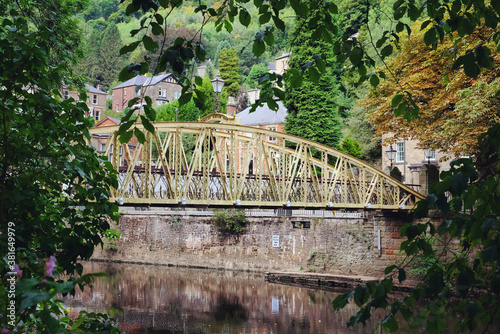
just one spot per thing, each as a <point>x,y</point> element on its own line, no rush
<point>142,80</point>
<point>284,55</point>
<point>263,115</point>
<point>94,90</point>
<point>112,119</point>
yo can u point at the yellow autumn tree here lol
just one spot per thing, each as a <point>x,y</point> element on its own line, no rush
<point>454,108</point>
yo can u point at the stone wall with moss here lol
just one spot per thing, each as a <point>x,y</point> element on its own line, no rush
<point>342,245</point>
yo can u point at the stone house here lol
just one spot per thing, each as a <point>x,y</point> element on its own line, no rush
<point>161,89</point>
<point>281,63</point>
<point>96,100</point>
<point>410,164</point>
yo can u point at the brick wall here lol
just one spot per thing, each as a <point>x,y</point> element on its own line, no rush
<point>344,246</point>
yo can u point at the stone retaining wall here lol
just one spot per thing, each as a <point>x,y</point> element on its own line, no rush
<point>343,246</point>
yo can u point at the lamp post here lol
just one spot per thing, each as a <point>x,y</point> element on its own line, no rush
<point>391,155</point>
<point>428,154</point>
<point>217,84</point>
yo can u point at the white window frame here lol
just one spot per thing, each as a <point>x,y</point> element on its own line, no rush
<point>162,92</point>
<point>272,139</point>
<point>95,99</point>
<point>400,152</point>
<point>97,115</point>
<point>117,107</point>
<point>66,94</point>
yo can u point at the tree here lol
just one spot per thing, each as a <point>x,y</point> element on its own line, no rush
<point>54,191</point>
<point>449,108</point>
<point>110,62</point>
<point>229,68</point>
<point>312,109</point>
<point>473,184</point>
<point>256,72</point>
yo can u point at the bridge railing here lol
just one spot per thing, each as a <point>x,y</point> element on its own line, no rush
<point>226,165</point>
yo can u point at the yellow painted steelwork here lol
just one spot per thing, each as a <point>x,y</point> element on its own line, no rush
<point>227,165</point>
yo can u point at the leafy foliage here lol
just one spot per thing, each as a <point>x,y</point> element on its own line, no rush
<point>229,68</point>
<point>468,195</point>
<point>229,221</point>
<point>454,109</point>
<point>54,189</point>
<point>312,111</point>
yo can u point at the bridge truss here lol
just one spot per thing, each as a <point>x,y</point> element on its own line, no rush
<point>227,165</point>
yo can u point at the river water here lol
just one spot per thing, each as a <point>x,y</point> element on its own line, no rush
<point>159,299</point>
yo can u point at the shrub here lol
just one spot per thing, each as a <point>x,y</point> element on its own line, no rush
<point>229,221</point>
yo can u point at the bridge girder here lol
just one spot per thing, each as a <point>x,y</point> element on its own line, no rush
<point>225,165</point>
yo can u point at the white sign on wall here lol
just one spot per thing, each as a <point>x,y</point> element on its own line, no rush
<point>276,240</point>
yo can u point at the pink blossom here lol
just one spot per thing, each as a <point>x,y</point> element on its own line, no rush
<point>50,265</point>
<point>17,270</point>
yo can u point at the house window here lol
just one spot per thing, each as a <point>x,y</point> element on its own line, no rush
<point>95,99</point>
<point>91,112</point>
<point>96,115</point>
<point>272,139</point>
<point>162,92</point>
<point>283,64</point>
<point>66,94</point>
<point>177,95</point>
<point>103,147</point>
<point>124,92</point>
<point>400,152</point>
<point>117,108</point>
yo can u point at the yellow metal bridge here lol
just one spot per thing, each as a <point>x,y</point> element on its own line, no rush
<point>205,164</point>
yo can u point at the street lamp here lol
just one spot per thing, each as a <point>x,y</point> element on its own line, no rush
<point>217,84</point>
<point>428,154</point>
<point>391,155</point>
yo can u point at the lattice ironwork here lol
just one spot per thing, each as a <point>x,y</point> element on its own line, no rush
<point>225,165</point>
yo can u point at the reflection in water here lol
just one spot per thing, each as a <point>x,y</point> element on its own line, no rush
<point>154,299</point>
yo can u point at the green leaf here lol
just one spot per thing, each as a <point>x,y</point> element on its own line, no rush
<point>185,98</point>
<point>244,17</point>
<point>361,295</point>
<point>159,18</point>
<point>430,37</point>
<point>356,55</point>
<point>133,101</point>
<point>149,44</point>
<point>147,125</point>
<point>386,51</point>
<point>264,18</point>
<point>314,74</point>
<point>258,48</point>
<point>401,275</point>
<point>374,80</point>
<point>389,269</point>
<point>156,29</point>
<point>140,135</point>
<point>126,136</point>
<point>483,56</point>
<point>129,48</point>
<point>228,26</point>
<point>390,324</point>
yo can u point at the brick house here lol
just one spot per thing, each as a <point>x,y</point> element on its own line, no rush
<point>410,164</point>
<point>99,141</point>
<point>161,89</point>
<point>96,100</point>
